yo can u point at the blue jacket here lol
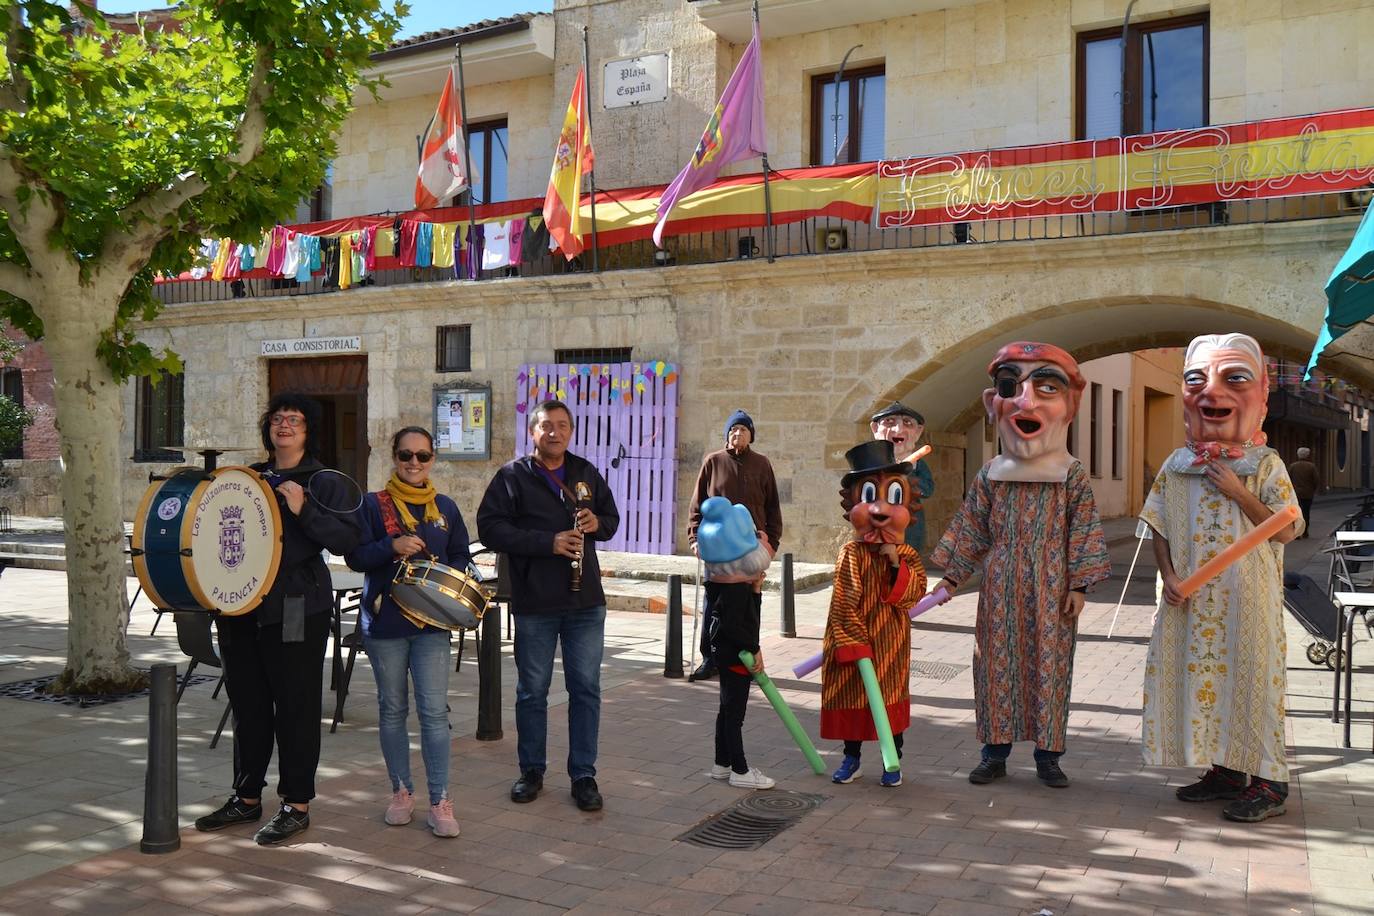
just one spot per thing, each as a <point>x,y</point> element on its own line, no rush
<point>375,558</point>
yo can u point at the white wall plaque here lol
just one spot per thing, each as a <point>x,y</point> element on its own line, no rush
<point>312,346</point>
<point>635,80</point>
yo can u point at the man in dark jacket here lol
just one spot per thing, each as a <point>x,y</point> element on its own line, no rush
<point>545,512</point>
<point>744,477</point>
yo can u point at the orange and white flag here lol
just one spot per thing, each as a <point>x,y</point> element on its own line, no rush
<point>572,158</point>
<point>441,158</point>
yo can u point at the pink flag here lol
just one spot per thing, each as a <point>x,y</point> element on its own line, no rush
<point>734,132</point>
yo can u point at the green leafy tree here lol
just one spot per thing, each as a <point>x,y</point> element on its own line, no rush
<point>118,151</point>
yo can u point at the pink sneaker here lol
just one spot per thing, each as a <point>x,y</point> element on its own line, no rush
<point>441,819</point>
<point>402,804</point>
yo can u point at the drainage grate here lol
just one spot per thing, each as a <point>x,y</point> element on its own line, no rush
<point>32,690</point>
<point>753,820</point>
<point>936,671</point>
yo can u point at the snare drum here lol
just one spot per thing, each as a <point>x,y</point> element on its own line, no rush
<point>430,593</point>
<point>207,541</point>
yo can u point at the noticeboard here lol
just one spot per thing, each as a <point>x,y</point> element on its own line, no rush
<point>462,422</point>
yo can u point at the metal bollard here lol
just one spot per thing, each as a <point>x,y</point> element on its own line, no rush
<point>160,830</point>
<point>672,639</point>
<point>489,678</point>
<point>789,599</point>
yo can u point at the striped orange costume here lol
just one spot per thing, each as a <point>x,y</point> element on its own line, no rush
<point>868,619</point>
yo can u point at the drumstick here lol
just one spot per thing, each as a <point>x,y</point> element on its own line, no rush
<point>939,596</point>
<point>1248,542</point>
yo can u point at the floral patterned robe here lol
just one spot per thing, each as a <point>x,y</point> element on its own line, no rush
<point>1036,541</point>
<point>1216,672</point>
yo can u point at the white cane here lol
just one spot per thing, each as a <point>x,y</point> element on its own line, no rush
<point>1142,533</point>
<point>696,615</point>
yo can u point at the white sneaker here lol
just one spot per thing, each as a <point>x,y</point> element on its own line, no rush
<point>754,779</point>
<point>399,811</point>
<point>719,772</point>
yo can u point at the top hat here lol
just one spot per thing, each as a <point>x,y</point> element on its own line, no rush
<point>872,457</point>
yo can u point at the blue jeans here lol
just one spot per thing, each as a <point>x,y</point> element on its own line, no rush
<point>1003,751</point>
<point>425,656</point>
<point>583,635</point>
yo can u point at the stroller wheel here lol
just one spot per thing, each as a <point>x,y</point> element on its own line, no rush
<point>1316,653</point>
<point>1331,660</point>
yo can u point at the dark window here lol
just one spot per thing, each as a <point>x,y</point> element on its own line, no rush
<point>1166,78</point>
<point>593,355</point>
<point>487,145</point>
<point>12,387</point>
<point>1116,434</point>
<point>158,413</point>
<point>848,119</point>
<point>1095,431</point>
<point>453,348</point>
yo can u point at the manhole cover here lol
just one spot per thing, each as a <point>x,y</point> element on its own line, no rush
<point>33,690</point>
<point>753,820</point>
<point>936,671</point>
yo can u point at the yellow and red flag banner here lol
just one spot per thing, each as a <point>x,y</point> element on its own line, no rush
<point>572,158</point>
<point>441,159</point>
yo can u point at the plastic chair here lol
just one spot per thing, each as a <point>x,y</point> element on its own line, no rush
<point>195,641</point>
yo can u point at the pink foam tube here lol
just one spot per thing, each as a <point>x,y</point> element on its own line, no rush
<point>935,598</point>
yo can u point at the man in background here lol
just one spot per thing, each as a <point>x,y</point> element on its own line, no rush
<point>1307,482</point>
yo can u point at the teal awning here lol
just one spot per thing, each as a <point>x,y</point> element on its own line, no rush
<point>1350,289</point>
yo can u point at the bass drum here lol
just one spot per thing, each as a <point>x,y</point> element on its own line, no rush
<point>431,593</point>
<point>208,541</point>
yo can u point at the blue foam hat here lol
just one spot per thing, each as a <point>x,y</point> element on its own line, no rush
<point>726,532</point>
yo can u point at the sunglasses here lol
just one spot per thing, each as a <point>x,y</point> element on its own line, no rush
<point>406,454</point>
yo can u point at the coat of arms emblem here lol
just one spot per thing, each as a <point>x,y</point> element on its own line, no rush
<point>231,550</point>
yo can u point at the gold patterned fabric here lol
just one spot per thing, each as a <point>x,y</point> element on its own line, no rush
<point>1215,675</point>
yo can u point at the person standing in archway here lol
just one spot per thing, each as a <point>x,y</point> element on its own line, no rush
<point>902,426</point>
<point>1029,518</point>
<point>744,477</point>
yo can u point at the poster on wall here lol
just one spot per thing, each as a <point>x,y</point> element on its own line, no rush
<point>461,432</point>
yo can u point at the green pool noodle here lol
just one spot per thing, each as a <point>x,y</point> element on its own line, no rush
<point>789,721</point>
<point>879,710</point>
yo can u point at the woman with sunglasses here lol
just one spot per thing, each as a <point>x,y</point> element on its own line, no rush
<point>273,656</point>
<point>406,518</point>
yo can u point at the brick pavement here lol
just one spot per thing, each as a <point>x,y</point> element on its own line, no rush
<point>1114,842</point>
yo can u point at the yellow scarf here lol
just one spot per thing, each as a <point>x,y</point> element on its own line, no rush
<point>403,492</point>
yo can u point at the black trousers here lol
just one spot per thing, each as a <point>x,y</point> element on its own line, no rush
<point>274,690</point>
<point>734,703</point>
<point>855,748</point>
<point>708,616</point>
<point>1306,506</point>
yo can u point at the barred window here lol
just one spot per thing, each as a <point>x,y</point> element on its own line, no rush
<point>453,348</point>
<point>159,412</point>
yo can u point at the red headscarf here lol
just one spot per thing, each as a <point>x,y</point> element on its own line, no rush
<point>1024,351</point>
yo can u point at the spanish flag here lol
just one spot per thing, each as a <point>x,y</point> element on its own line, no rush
<point>571,159</point>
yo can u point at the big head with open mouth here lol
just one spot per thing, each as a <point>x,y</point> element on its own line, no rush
<point>1035,395</point>
<point>1225,390</point>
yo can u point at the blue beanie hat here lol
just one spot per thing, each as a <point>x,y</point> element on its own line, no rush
<point>740,418</point>
<point>726,532</point>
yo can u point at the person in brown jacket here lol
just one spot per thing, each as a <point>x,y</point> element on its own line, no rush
<point>743,476</point>
<point>1307,483</point>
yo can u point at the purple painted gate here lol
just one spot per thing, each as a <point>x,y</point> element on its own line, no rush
<point>626,417</point>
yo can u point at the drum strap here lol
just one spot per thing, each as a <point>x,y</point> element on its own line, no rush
<point>390,520</point>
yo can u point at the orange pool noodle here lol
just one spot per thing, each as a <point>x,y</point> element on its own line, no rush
<point>918,454</point>
<point>1248,542</point>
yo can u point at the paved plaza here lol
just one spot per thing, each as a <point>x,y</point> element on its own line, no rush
<point>1116,841</point>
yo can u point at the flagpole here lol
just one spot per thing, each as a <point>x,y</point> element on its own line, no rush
<point>767,191</point>
<point>474,270</point>
<point>587,107</point>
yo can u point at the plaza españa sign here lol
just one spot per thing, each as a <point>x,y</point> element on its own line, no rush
<point>1283,157</point>
<point>635,80</point>
<point>312,346</point>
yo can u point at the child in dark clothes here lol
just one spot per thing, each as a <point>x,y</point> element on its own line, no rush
<point>736,557</point>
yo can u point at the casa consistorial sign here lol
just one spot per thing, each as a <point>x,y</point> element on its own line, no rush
<point>635,80</point>
<point>312,346</point>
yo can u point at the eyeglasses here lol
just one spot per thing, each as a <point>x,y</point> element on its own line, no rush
<point>291,420</point>
<point>406,454</point>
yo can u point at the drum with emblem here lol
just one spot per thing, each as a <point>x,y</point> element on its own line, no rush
<point>208,541</point>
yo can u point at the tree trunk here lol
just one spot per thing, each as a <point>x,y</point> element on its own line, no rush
<point>89,418</point>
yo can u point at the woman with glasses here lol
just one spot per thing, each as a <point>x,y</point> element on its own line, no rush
<point>408,517</point>
<point>273,656</point>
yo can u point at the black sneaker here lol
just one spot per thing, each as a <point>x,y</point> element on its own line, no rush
<point>1256,803</point>
<point>1213,785</point>
<point>705,671</point>
<point>585,793</point>
<point>987,771</point>
<point>1050,774</point>
<point>234,811</point>
<point>526,788</point>
<point>285,824</point>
